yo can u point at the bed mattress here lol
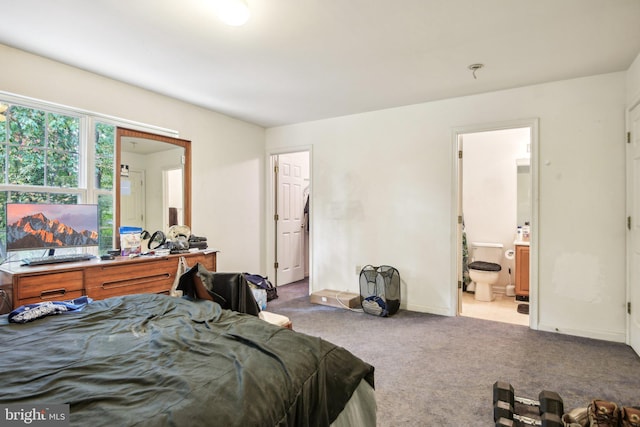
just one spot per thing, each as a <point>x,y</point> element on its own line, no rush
<point>154,360</point>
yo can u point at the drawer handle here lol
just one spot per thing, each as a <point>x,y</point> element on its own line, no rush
<point>53,293</point>
<point>135,282</point>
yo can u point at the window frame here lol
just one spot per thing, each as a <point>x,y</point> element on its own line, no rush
<point>87,190</point>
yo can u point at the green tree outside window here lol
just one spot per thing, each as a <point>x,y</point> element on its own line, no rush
<point>44,149</point>
<point>105,159</point>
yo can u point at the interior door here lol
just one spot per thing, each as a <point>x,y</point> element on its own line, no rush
<point>290,209</point>
<point>132,200</point>
<point>633,255</point>
<point>459,228</point>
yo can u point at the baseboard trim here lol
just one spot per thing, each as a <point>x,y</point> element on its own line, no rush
<point>440,311</point>
<point>614,336</point>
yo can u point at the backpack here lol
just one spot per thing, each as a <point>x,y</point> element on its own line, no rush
<point>261,282</point>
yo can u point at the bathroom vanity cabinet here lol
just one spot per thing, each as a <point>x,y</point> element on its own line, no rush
<point>522,270</point>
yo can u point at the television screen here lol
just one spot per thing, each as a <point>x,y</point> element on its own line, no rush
<point>35,226</point>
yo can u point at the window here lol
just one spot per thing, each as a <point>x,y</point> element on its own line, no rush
<point>45,157</point>
<point>42,148</point>
<point>105,143</point>
<point>104,180</point>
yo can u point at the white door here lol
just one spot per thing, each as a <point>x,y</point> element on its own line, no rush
<point>290,213</point>
<point>459,229</point>
<point>633,256</point>
<point>132,200</point>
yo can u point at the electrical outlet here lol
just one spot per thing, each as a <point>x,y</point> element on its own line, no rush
<point>358,269</point>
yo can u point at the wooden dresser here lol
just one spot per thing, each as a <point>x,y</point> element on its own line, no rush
<point>522,270</point>
<point>96,278</point>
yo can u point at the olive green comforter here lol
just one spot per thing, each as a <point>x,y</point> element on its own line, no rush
<point>153,360</point>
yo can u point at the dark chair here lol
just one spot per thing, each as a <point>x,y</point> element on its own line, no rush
<point>230,290</point>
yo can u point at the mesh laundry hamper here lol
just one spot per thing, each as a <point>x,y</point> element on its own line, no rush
<point>380,290</point>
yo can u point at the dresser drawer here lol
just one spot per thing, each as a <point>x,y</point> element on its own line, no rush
<point>51,296</point>
<point>151,276</point>
<point>207,260</point>
<point>51,286</point>
<point>95,278</point>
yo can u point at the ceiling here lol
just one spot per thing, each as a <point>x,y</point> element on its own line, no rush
<point>302,60</point>
<point>143,146</point>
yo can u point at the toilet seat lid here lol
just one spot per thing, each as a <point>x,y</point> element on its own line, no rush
<point>485,266</point>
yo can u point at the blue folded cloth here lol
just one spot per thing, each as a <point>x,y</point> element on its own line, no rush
<point>27,313</point>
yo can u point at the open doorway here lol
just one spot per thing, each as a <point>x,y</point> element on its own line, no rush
<point>172,197</point>
<point>496,223</point>
<point>291,193</point>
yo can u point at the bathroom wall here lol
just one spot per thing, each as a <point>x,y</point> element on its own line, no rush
<point>490,189</point>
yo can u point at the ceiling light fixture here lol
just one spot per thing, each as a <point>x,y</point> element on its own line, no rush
<point>232,12</point>
<point>474,68</point>
<point>3,108</point>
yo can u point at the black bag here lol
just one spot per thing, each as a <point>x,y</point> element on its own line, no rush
<point>262,283</point>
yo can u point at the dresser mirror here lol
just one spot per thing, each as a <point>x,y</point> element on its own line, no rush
<point>524,191</point>
<point>153,185</point>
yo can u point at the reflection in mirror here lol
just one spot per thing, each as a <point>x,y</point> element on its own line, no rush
<point>172,196</point>
<point>524,191</point>
<point>153,187</point>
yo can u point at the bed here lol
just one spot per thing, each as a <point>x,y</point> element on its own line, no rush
<point>155,360</point>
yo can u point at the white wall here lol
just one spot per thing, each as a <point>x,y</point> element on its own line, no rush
<point>153,165</point>
<point>227,154</point>
<point>382,184</point>
<point>175,194</point>
<point>382,193</point>
<point>633,82</point>
<point>490,193</point>
<point>156,164</point>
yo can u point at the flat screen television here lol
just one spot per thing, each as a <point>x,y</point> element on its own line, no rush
<point>50,226</point>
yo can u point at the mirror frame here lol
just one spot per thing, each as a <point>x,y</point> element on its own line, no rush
<point>186,145</point>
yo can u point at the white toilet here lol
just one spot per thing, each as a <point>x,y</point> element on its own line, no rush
<point>484,268</point>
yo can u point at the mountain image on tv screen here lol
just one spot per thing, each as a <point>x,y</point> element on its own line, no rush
<point>33,226</point>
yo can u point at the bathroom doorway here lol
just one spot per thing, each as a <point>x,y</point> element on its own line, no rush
<point>495,198</point>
